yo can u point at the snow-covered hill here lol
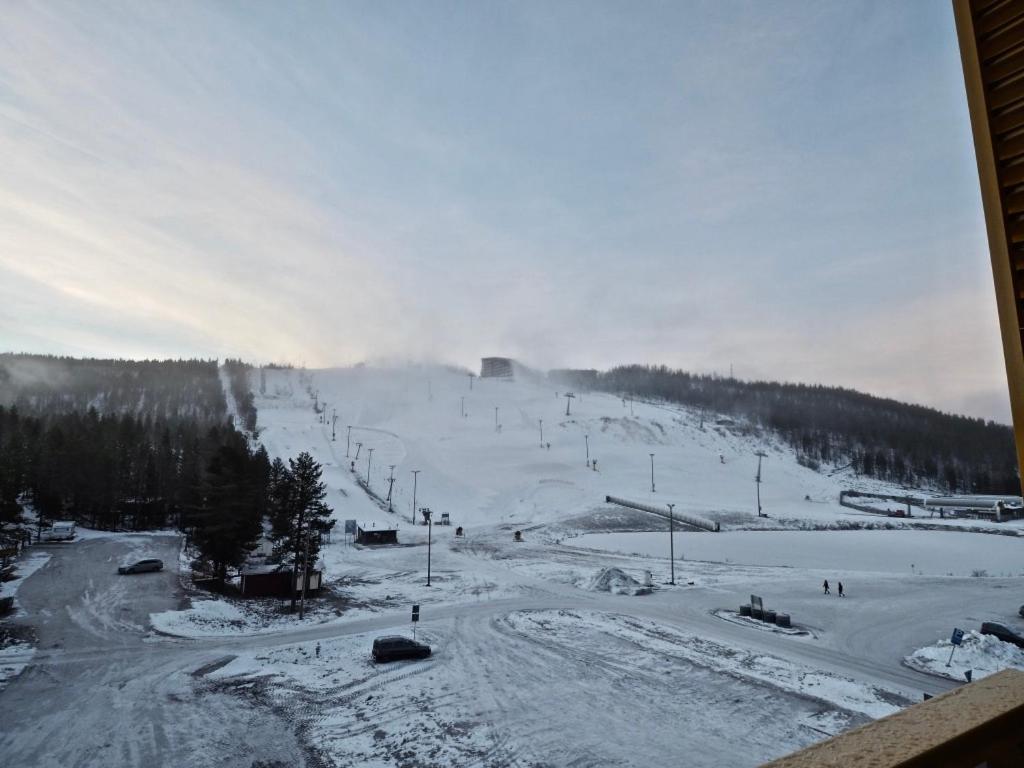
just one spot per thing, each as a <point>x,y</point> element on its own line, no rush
<point>490,466</point>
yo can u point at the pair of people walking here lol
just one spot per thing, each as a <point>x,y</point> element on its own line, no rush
<point>839,586</point>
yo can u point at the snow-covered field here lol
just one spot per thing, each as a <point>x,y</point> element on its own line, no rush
<point>552,650</point>
<point>503,685</point>
<point>932,553</point>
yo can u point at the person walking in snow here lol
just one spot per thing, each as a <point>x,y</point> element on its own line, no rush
<point>841,589</point>
<point>826,586</point>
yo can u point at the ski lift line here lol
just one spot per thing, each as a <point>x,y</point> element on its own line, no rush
<point>684,517</point>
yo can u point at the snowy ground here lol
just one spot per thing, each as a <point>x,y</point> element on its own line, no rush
<point>535,663</point>
<point>903,551</point>
<point>984,655</point>
<point>17,648</point>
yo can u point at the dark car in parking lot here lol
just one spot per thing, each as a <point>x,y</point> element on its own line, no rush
<point>395,647</point>
<point>1001,632</point>
<point>142,566</point>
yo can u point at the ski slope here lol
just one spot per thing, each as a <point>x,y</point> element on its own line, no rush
<point>490,467</point>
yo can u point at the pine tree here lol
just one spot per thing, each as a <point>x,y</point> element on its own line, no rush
<point>228,522</point>
<point>299,515</point>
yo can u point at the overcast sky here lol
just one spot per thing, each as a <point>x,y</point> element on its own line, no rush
<point>785,188</point>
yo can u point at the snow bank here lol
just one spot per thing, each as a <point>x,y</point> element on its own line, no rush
<point>983,654</point>
<point>618,582</point>
<point>26,565</point>
<point>203,619</point>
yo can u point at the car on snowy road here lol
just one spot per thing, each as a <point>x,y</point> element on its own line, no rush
<point>395,647</point>
<point>142,566</point>
<point>1000,632</point>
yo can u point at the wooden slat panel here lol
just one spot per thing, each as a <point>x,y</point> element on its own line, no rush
<point>1004,68</point>
<point>979,7</point>
<point>1008,121</point>
<point>991,20</point>
<point>1010,148</point>
<point>1000,97</point>
<point>1012,176</point>
<point>1001,43</point>
<point>1015,202</point>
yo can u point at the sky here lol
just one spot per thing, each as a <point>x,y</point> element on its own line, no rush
<point>785,190</point>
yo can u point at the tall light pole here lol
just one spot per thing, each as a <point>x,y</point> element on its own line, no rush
<point>415,473</point>
<point>652,473</point>
<point>369,458</point>
<point>359,447</point>
<point>391,487</point>
<point>348,441</point>
<point>429,515</point>
<point>541,423</point>
<point>586,439</point>
<point>334,424</point>
<point>568,401</point>
<point>760,455</point>
<point>672,543</point>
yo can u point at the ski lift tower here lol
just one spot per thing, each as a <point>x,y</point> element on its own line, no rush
<point>760,455</point>
<point>568,402</point>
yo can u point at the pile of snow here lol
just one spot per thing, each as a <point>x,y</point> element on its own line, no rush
<point>983,654</point>
<point>618,582</point>
<point>204,618</point>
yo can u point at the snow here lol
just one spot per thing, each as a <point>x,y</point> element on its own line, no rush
<point>29,562</point>
<point>541,651</point>
<point>14,657</point>
<point>559,685</point>
<point>983,654</point>
<point>616,581</point>
<point>899,551</point>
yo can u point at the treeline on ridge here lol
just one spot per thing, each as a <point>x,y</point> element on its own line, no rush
<point>46,385</point>
<point>897,442</point>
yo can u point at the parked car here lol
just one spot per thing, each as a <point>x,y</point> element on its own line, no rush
<point>1005,634</point>
<point>396,647</point>
<point>142,566</point>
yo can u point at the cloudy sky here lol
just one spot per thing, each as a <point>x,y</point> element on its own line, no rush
<point>785,188</point>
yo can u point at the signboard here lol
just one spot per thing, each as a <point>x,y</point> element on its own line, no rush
<point>958,637</point>
<point>350,527</point>
<point>756,602</point>
<point>415,613</point>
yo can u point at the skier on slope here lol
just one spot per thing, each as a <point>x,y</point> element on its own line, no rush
<point>826,586</point>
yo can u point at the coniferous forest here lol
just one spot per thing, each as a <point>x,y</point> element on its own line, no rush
<point>831,427</point>
<point>136,445</point>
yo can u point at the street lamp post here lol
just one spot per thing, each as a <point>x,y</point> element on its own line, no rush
<point>391,487</point>
<point>429,515</point>
<point>369,459</point>
<point>760,455</point>
<point>672,544</point>
<point>652,473</point>
<point>415,477</point>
